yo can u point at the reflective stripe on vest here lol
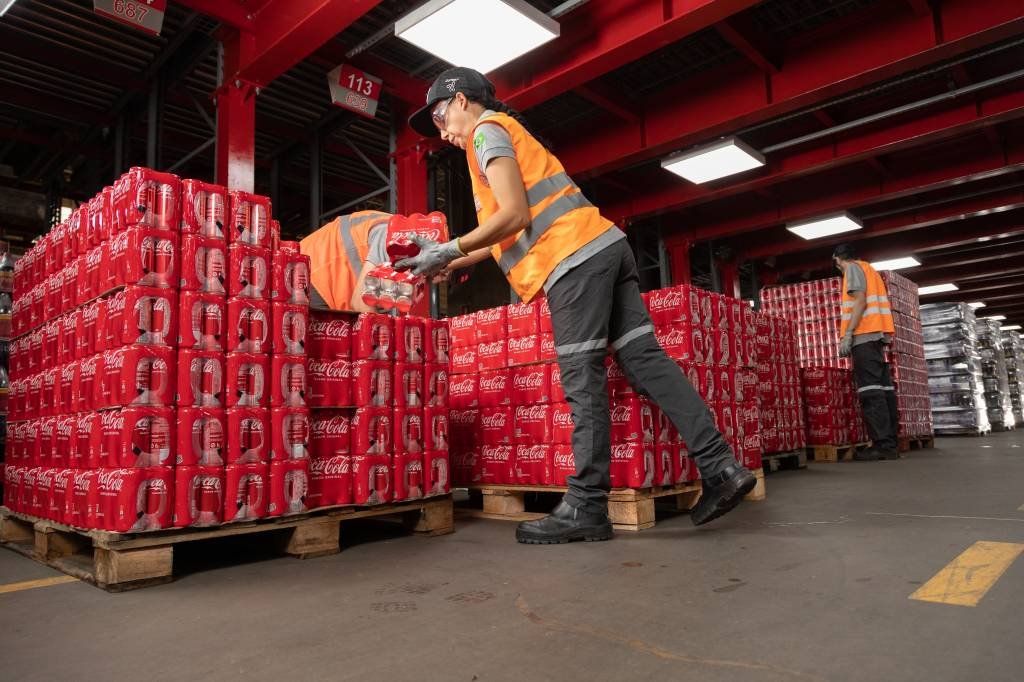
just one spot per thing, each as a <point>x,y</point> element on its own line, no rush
<point>877,315</point>
<point>538,226</point>
<point>345,226</point>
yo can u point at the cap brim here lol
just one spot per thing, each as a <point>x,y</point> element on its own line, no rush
<point>423,121</point>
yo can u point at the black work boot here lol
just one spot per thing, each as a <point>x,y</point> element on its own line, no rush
<point>868,455</point>
<point>886,453</point>
<point>565,523</point>
<point>721,493</point>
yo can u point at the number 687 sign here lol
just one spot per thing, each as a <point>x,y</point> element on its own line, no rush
<point>354,89</point>
<point>145,15</point>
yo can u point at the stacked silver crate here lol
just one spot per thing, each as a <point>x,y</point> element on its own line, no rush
<point>1013,349</point>
<point>955,381</point>
<point>994,374</point>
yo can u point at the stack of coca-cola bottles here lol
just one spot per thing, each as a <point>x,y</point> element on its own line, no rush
<point>128,415</point>
<point>779,396</point>
<point>379,393</point>
<point>816,308</point>
<point>511,425</point>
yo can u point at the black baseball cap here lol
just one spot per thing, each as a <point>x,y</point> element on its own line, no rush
<point>845,251</point>
<point>459,79</point>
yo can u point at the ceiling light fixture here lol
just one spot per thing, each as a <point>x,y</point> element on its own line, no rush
<point>713,161</point>
<point>937,289</point>
<point>825,226</point>
<point>997,318</point>
<point>896,263</point>
<point>977,304</point>
<point>4,6</point>
<point>480,34</point>
<point>1011,327</point>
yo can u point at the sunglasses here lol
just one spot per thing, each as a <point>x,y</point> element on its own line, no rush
<point>440,114</point>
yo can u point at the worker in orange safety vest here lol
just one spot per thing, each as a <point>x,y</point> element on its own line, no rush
<point>341,253</point>
<point>866,329</point>
<point>549,240</point>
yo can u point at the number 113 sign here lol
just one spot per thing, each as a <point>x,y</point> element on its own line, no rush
<point>354,89</point>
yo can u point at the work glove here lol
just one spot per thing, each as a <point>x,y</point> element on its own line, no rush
<point>432,258</point>
<point>846,346</point>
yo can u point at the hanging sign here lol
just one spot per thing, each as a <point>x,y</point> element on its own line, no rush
<point>354,89</point>
<point>145,15</point>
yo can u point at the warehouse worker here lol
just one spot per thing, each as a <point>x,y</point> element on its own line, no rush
<point>341,253</point>
<point>549,240</point>
<point>866,329</point>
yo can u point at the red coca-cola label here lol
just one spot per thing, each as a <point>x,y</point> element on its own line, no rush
<point>631,421</point>
<point>464,391</point>
<point>463,360</point>
<point>372,337</point>
<point>534,464</point>
<point>289,385</point>
<point>409,433</point>
<point>246,492</point>
<point>491,355</point>
<point>372,431</point>
<point>329,335</point>
<point>436,378</point>
<point>409,385</point>
<point>436,473</point>
<point>138,499</point>
<point>330,383</point>
<point>497,465</point>
<point>523,350</point>
<point>523,319</point>
<point>248,271</point>
<point>204,264</point>
<point>408,476</point>
<point>201,378</point>
<point>437,341</point>
<point>533,424</point>
<point>248,382</point>
<point>462,331</point>
<point>330,433</point>
<point>330,481</point>
<point>372,480</point>
<point>495,388</point>
<point>491,324</point>
<point>632,465</point>
<point>141,196</point>
<point>561,423</point>
<point>137,375</point>
<point>289,486</point>
<point>202,321</point>
<point>669,306</point>
<point>289,325</point>
<point>373,383</point>
<point>144,256</point>
<point>496,426</point>
<point>432,226</point>
<point>410,339</point>
<point>290,278</point>
<point>248,439</point>
<point>563,464</point>
<point>204,209</point>
<point>436,429</point>
<point>201,436</point>
<point>248,326</point>
<point>248,219</point>
<point>531,384</point>
<point>198,496</point>
<point>464,426</point>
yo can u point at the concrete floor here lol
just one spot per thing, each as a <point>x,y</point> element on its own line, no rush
<point>810,585</point>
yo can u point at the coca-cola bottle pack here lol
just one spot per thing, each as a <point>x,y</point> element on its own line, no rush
<point>202,436</point>
<point>248,438</point>
<point>202,321</point>
<point>204,264</point>
<point>289,433</point>
<point>290,281</point>
<point>246,492</point>
<point>329,336</point>
<point>204,209</point>
<point>198,496</point>
<point>248,219</point>
<point>330,481</point>
<point>289,486</point>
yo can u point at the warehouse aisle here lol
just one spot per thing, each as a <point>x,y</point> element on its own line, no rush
<point>811,585</point>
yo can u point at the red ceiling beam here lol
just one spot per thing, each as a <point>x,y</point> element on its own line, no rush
<point>962,276</point>
<point>864,145</point>
<point>737,95</point>
<point>608,101</point>
<point>977,164</point>
<point>227,12</point>
<point>938,265</point>
<point>740,32</point>
<point>288,32</point>
<point>602,37</point>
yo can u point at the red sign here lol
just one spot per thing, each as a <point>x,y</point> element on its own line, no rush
<point>355,90</point>
<point>145,15</point>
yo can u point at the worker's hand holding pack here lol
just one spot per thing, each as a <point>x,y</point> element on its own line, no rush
<point>432,258</point>
<point>420,243</point>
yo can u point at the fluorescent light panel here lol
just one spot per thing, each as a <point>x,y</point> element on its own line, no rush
<point>4,6</point>
<point>825,226</point>
<point>1011,327</point>
<point>713,161</point>
<point>896,263</point>
<point>937,289</point>
<point>480,34</point>
<point>977,304</point>
<point>997,318</point>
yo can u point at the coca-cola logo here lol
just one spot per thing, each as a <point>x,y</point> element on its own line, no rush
<point>462,357</point>
<point>462,386</point>
<point>112,421</point>
<point>496,453</point>
<point>463,417</point>
<point>462,322</point>
<point>673,337</point>
<point>522,343</point>
<point>663,299</point>
<point>497,382</point>
<point>623,451</point>
<point>330,369</point>
<point>335,426</point>
<point>565,460</point>
<point>492,348</point>
<point>331,329</point>
<point>331,466</point>
<point>562,418</point>
<point>532,453</point>
<point>118,245</point>
<point>496,420</point>
<point>528,381</point>
<point>621,413</point>
<point>489,316</point>
<point>111,479</point>
<point>531,412</point>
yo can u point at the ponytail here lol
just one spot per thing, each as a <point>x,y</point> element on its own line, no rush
<point>487,100</point>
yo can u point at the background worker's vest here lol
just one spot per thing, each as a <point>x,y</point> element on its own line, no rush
<point>877,316</point>
<point>337,252</point>
<point>562,220</point>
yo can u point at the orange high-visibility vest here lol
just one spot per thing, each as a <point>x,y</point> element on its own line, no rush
<point>337,252</point>
<point>562,220</point>
<point>877,315</point>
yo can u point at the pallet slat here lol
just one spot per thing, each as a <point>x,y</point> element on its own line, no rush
<point>117,562</point>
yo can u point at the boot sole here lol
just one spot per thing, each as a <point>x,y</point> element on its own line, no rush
<point>589,536</point>
<point>727,504</point>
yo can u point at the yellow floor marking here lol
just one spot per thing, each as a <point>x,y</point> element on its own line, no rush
<point>32,584</point>
<point>1020,508</point>
<point>967,578</point>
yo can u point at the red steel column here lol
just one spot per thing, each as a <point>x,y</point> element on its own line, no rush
<point>679,259</point>
<point>236,118</point>
<point>729,271</point>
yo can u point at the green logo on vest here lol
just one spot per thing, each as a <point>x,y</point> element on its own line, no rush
<point>478,141</point>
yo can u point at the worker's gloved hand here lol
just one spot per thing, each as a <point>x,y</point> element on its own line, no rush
<point>846,346</point>
<point>431,259</point>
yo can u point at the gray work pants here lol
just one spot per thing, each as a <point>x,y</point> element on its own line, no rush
<point>597,305</point>
<point>877,395</point>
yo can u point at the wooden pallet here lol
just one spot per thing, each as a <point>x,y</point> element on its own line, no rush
<point>125,561</point>
<point>834,453</point>
<point>907,443</point>
<point>776,461</point>
<point>629,509</point>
